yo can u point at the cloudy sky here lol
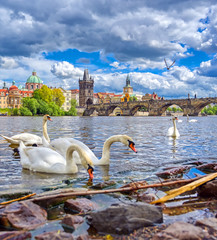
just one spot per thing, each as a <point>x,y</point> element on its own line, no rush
<point>59,39</point>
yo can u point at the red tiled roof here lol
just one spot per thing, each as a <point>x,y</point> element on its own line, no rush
<point>26,91</point>
<point>74,91</point>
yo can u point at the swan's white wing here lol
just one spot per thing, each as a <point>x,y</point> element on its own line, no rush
<point>88,151</point>
<point>40,159</point>
<point>62,144</point>
<point>170,131</point>
<point>27,138</point>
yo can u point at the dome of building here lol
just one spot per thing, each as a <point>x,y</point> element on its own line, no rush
<point>34,78</point>
<point>13,87</point>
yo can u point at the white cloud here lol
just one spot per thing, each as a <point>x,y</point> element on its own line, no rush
<point>136,40</point>
<point>66,70</point>
<point>7,63</point>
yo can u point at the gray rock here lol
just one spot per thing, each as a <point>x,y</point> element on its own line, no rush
<point>182,231</point>
<point>23,215</point>
<point>208,223</point>
<point>208,189</point>
<point>125,218</point>
<point>72,221</point>
<point>80,205</point>
<point>15,235</point>
<point>56,235</point>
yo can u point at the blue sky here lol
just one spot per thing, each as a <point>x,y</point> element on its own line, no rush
<point>59,39</point>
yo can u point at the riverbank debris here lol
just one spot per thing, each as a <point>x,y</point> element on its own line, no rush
<point>191,186</point>
<point>18,199</point>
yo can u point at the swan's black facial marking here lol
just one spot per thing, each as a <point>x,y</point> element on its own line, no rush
<point>49,118</point>
<point>132,145</point>
<point>34,145</point>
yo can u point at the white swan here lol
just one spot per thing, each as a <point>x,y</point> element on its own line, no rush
<point>46,160</point>
<point>173,131</point>
<point>28,138</point>
<point>61,145</point>
<point>193,120</point>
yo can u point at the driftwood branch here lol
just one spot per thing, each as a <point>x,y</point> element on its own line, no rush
<point>62,196</point>
<point>18,199</point>
<point>175,192</point>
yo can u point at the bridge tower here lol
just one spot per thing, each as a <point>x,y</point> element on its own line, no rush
<point>86,90</point>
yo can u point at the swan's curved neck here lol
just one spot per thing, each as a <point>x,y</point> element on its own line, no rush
<point>45,134</point>
<point>174,123</point>
<point>106,148</point>
<point>83,156</point>
<point>174,129</point>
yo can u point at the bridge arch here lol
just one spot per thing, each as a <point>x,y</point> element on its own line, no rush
<point>200,107</point>
<point>137,107</point>
<point>111,109</point>
<point>166,106</point>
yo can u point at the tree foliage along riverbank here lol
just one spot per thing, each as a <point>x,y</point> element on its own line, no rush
<point>44,101</point>
<point>210,110</point>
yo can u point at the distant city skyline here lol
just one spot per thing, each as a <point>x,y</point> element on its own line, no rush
<point>111,40</point>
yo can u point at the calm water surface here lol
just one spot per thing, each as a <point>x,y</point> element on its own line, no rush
<point>197,142</point>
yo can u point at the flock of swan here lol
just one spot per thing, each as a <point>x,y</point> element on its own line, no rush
<point>61,155</point>
<point>173,131</point>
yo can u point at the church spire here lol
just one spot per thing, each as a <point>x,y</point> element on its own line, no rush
<point>128,80</point>
<point>86,75</point>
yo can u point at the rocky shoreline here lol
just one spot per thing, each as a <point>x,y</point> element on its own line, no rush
<point>134,218</point>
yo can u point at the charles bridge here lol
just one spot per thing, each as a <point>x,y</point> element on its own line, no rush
<point>190,106</point>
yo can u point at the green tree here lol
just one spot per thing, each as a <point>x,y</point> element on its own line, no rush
<point>24,111</point>
<point>56,110</point>
<point>15,112</point>
<point>31,103</point>
<point>43,107</point>
<point>131,99</point>
<point>58,97</point>
<point>46,94</point>
<point>36,94</point>
<point>72,111</point>
<point>174,109</point>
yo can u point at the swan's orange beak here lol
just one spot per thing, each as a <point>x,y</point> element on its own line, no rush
<point>132,146</point>
<point>49,118</point>
<point>90,172</point>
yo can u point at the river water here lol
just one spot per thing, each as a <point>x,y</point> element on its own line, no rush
<point>156,151</point>
<point>197,142</point>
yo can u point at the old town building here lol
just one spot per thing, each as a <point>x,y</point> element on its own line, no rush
<point>11,98</point>
<point>67,104</point>
<point>69,95</point>
<point>3,97</point>
<point>127,91</point>
<point>152,96</point>
<point>34,82</point>
<point>86,89</point>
